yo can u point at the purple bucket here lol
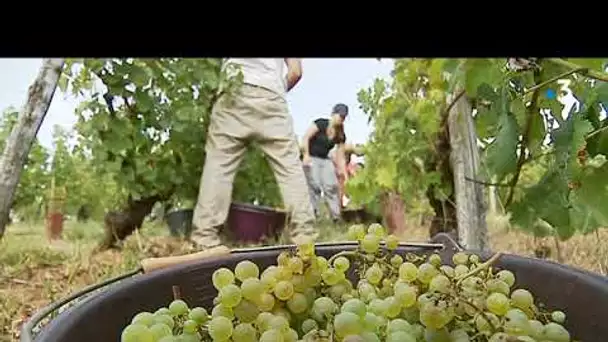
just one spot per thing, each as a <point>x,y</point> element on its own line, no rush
<point>248,223</point>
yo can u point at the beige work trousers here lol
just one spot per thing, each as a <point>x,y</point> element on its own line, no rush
<point>258,115</point>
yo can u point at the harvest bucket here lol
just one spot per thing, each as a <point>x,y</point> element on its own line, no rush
<point>248,223</point>
<point>101,317</point>
<point>180,222</point>
<point>54,225</point>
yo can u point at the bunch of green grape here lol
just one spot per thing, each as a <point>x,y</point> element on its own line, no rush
<point>397,298</point>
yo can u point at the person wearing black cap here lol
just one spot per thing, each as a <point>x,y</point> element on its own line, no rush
<point>322,136</point>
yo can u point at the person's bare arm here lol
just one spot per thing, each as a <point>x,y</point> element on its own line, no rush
<point>294,72</point>
<point>341,159</point>
<point>312,130</point>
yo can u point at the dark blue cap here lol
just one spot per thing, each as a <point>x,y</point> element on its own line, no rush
<point>341,109</point>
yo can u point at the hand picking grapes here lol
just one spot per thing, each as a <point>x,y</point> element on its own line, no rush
<point>399,298</point>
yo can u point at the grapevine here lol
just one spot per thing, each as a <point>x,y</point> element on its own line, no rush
<point>519,123</point>
<point>397,297</point>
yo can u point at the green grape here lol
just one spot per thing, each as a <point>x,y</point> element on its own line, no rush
<point>370,243</point>
<point>482,324</point>
<point>398,325</point>
<point>356,232</point>
<point>136,333</point>
<point>230,295</point>
<point>378,306</point>
<point>296,265</point>
<point>297,303</point>
<point>283,259</point>
<point>222,277</point>
<point>447,270</point>
<point>460,270</point>
<point>536,329</point>
<point>222,310</point>
<point>405,294</point>
<point>440,283</point>
<point>246,311</point>
<point>185,337</point>
<point>284,273</point>
<point>353,338</point>
<point>371,322</point>
<point>341,264</point>
<point>460,258</point>
<point>408,271</point>
<point>178,307</point>
<point>436,315</point>
<point>497,285</point>
<point>426,272</point>
<point>269,277</point>
<point>369,336</point>
<point>337,291</point>
<point>190,326</point>
<point>162,311</point>
<point>374,275</point>
<point>396,260</point>
<point>435,260</point>
<point>498,304</point>
<point>436,335</point>
<point>521,298</point>
<point>312,277</point>
<point>262,322</point>
<point>400,336</point>
<point>506,276</point>
<point>265,302</point>
<point>160,331</point>
<point>393,307</point>
<point>558,317</point>
<point>271,335</point>
<point>299,283</point>
<point>392,242</point>
<point>555,332</point>
<point>324,306</point>
<point>331,276</point>
<point>246,269</point>
<point>252,288</point>
<point>244,332</point>
<point>290,336</point>
<point>164,319</point>
<point>516,322</point>
<point>377,230</point>
<point>366,290</point>
<point>347,323</point>
<point>499,337</point>
<point>459,335</point>
<point>355,306</point>
<point>322,263</point>
<point>306,250</point>
<point>199,315</point>
<point>474,259</point>
<point>145,318</point>
<point>283,290</point>
<point>279,323</point>
<point>308,325</point>
<point>220,328</point>
<point>169,338</point>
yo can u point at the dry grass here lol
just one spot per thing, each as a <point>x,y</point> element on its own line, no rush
<point>34,273</point>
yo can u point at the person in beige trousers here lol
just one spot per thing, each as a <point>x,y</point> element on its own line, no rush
<point>257,112</point>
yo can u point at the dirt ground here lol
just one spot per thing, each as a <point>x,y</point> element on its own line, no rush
<point>34,273</point>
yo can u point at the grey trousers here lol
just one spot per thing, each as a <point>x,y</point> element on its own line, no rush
<point>322,181</point>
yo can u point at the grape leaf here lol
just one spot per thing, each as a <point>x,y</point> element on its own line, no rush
<point>479,71</point>
<point>502,153</point>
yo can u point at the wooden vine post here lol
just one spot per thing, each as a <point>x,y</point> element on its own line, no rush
<point>465,160</point>
<point>54,218</point>
<point>24,132</point>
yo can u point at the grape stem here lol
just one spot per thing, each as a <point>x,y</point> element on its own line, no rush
<point>479,268</point>
<point>344,254</point>
<point>480,311</point>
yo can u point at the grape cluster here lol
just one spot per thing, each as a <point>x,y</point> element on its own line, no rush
<point>398,298</point>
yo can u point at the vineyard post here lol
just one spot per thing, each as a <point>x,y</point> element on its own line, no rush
<point>22,136</point>
<point>464,156</point>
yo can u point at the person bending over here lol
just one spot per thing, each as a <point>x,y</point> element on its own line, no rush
<point>323,178</point>
<point>257,112</point>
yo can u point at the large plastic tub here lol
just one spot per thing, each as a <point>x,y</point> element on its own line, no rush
<point>248,223</point>
<point>101,317</point>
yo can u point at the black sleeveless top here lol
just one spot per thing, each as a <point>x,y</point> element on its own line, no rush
<point>320,144</point>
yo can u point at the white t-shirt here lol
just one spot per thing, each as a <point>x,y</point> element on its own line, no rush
<point>267,73</point>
